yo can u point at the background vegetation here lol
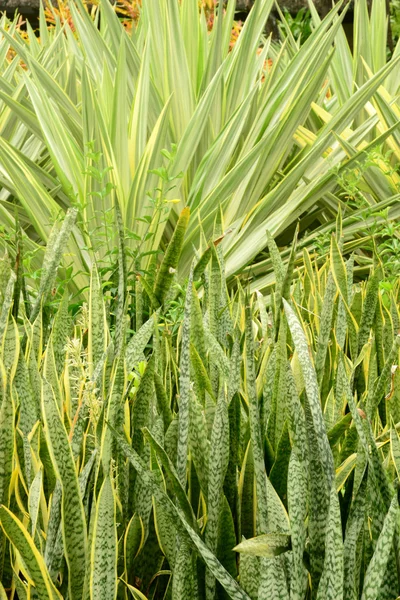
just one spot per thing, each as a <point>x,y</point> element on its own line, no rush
<point>199,305</point>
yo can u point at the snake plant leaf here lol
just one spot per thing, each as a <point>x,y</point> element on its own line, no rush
<point>173,477</point>
<point>259,468</point>
<point>6,452</point>
<point>395,449</point>
<point>273,579</point>
<point>297,503</point>
<point>35,491</point>
<point>227,539</point>
<point>267,544</point>
<point>216,475</point>
<point>52,261</point>
<point>163,404</point>
<point>60,331</point>
<point>133,541</point>
<point>376,568</point>
<point>137,594</point>
<point>202,263</point>
<point>171,258</point>
<point>312,389</point>
<point>249,574</point>
<point>184,387</point>
<point>199,444</point>
<point>229,584</point>
<point>201,379</point>
<point>325,326</point>
<point>20,538</point>
<point>377,393</point>
<point>97,341</point>
<point>10,349</point>
<point>6,305</point>
<point>353,528</point>
<point>369,307</point>
<point>114,413</point>
<point>331,584</point>
<point>73,518</point>
<point>54,546</point>
<point>340,275</point>
<point>182,581</point>
<point>216,353</point>
<point>278,265</point>
<point>138,342</point>
<point>196,327</point>
<point>166,534</point>
<point>103,584</point>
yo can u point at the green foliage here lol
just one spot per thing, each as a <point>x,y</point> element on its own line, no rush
<point>132,126</point>
<point>233,454</point>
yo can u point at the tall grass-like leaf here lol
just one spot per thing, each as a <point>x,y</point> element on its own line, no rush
<point>376,569</point>
<point>184,387</point>
<point>97,321</point>
<point>103,584</point>
<point>377,393</point>
<point>369,307</point>
<point>138,342</point>
<point>227,582</point>
<point>340,276</point>
<point>331,584</point>
<point>268,545</point>
<point>199,444</point>
<point>273,583</point>
<point>325,326</point>
<point>170,471</point>
<point>297,501</point>
<point>114,413</point>
<point>353,528</point>
<point>259,469</point>
<point>35,491</point>
<point>216,475</point>
<point>182,582</point>
<point>171,257</point>
<point>7,301</point>
<point>20,538</point>
<point>312,391</point>
<point>6,452</point>
<point>52,261</point>
<point>319,456</point>
<point>73,518</point>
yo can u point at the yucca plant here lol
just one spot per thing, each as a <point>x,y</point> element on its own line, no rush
<point>93,116</point>
<point>232,446</point>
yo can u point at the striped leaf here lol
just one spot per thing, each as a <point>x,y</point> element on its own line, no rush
<point>259,469</point>
<point>22,541</point>
<point>182,582</point>
<point>267,544</point>
<point>170,261</point>
<point>216,475</point>
<point>138,342</point>
<point>184,387</point>
<point>312,390</point>
<point>73,518</point>
<point>103,582</point>
<point>297,502</point>
<point>331,584</point>
<point>52,259</point>
<point>376,568</point>
<point>97,343</point>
